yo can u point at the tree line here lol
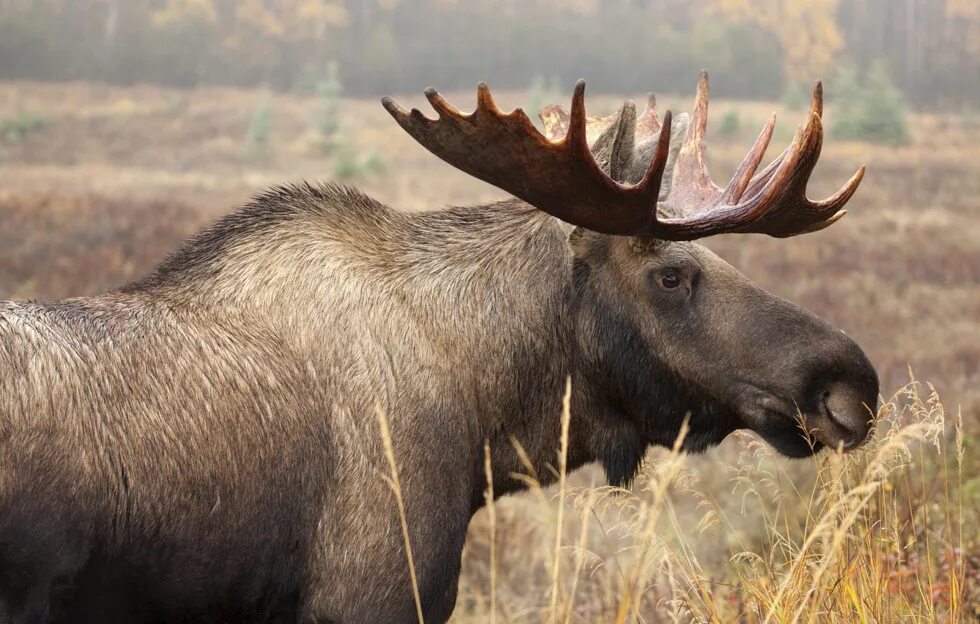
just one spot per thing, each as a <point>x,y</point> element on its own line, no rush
<point>930,49</point>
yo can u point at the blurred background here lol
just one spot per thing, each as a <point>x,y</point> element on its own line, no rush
<point>126,125</point>
<point>761,50</point>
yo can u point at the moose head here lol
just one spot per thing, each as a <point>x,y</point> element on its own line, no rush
<point>670,328</point>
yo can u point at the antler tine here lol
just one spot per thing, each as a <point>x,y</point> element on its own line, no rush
<point>841,197</point>
<point>576,136</point>
<point>648,123</point>
<point>692,179</point>
<point>816,99</point>
<point>699,125</point>
<point>834,205</point>
<point>484,101</point>
<point>692,184</point>
<point>743,175</point>
<point>759,181</point>
<point>440,104</point>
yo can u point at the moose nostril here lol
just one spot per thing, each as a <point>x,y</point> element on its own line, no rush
<point>850,414</point>
<point>849,437</point>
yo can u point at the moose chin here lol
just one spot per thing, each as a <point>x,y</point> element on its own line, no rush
<point>202,445</point>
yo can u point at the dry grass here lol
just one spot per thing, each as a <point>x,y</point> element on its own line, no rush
<point>394,483</point>
<point>114,177</point>
<point>880,535</point>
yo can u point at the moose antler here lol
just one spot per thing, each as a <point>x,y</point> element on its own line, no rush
<point>562,178</point>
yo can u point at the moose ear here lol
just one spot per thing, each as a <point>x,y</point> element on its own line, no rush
<point>574,233</point>
<point>613,150</point>
<point>580,240</point>
<point>644,151</point>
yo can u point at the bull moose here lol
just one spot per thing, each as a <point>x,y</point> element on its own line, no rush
<point>202,445</point>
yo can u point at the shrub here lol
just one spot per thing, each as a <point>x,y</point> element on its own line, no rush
<point>20,125</point>
<point>542,92</point>
<point>872,111</point>
<point>257,137</point>
<point>349,162</point>
<point>175,106</point>
<point>327,120</point>
<point>350,165</point>
<point>795,97</point>
<point>884,112</point>
<point>970,119</point>
<point>729,125</point>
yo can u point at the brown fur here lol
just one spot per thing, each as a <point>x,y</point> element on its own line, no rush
<point>202,444</point>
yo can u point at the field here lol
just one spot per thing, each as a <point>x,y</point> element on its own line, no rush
<point>98,183</point>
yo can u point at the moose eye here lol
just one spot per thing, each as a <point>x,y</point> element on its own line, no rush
<point>669,281</point>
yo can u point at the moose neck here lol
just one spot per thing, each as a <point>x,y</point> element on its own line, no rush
<point>623,397</point>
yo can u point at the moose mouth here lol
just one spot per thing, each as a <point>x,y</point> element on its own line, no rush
<point>800,433</point>
<point>784,432</point>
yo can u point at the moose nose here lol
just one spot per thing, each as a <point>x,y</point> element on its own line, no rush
<point>844,414</point>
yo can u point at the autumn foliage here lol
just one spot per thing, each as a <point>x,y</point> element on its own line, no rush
<point>756,48</point>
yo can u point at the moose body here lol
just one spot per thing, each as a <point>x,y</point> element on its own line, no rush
<point>203,444</point>
<point>186,444</point>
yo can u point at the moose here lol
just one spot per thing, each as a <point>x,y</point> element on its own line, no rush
<point>203,444</point>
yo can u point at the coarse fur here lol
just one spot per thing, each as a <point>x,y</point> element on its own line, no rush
<point>203,444</point>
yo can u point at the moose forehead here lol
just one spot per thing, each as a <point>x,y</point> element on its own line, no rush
<point>639,251</point>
